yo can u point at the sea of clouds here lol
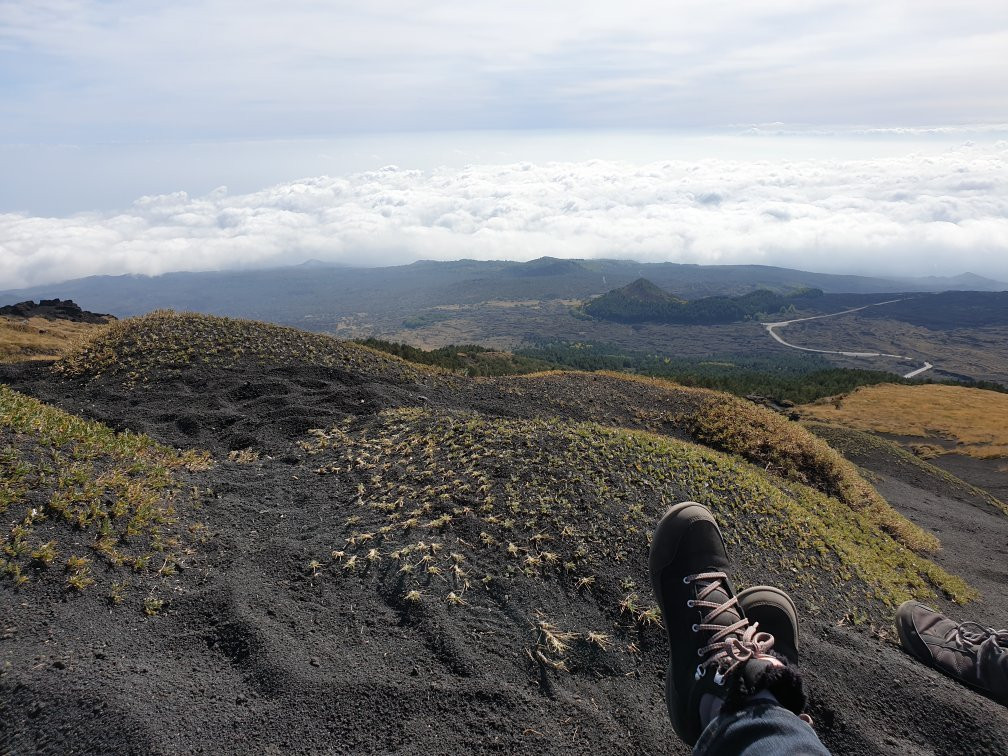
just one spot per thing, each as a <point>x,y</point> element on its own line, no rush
<point>913,215</point>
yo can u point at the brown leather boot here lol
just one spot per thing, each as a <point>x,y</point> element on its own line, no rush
<point>971,653</point>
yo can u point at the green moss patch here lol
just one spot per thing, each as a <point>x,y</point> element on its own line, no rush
<point>722,422</point>
<point>85,506</point>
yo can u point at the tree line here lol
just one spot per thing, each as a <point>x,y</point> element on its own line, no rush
<point>798,378</point>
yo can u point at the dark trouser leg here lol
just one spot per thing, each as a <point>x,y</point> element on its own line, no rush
<point>762,729</point>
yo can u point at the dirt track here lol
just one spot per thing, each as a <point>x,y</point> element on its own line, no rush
<point>780,340</point>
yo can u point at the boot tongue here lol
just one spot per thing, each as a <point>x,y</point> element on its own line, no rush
<point>726,617</point>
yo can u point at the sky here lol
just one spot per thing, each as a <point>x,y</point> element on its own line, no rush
<point>848,136</point>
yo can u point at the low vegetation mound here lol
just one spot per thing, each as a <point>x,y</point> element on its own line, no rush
<point>960,419</point>
<point>467,359</point>
<point>788,449</point>
<point>717,420</point>
<point>642,301</point>
<point>459,510</point>
<point>87,505</point>
<point>165,342</point>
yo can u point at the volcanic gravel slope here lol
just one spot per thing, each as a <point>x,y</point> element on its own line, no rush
<point>390,559</point>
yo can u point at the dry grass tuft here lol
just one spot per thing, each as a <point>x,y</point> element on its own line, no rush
<point>243,456</point>
<point>556,640</point>
<point>539,500</point>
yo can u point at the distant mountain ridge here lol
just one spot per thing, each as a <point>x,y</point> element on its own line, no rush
<point>316,294</point>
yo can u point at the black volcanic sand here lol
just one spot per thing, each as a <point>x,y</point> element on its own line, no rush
<point>255,655</point>
<point>989,474</point>
<point>958,510</point>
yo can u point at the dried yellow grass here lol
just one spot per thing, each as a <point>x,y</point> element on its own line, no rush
<point>976,420</point>
<point>23,339</point>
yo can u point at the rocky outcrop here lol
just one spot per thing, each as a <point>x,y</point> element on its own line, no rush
<point>54,309</point>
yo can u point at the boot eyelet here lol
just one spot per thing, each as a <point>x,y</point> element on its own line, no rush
<point>690,603</point>
<point>700,672</point>
<point>696,628</point>
<point>699,652</point>
<point>719,678</point>
<point>686,580</point>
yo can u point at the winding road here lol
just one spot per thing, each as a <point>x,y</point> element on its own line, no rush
<point>771,326</point>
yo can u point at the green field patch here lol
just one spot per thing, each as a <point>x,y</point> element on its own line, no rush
<point>425,319</point>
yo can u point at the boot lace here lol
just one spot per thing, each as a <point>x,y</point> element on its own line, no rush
<point>973,633</point>
<point>729,646</point>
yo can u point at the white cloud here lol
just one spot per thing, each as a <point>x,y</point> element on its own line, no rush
<point>918,214</point>
<point>87,70</point>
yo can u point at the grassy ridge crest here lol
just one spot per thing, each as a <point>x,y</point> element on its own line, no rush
<point>40,338</point>
<point>737,426</point>
<point>165,341</point>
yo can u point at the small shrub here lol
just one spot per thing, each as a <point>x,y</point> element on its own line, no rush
<point>45,554</point>
<point>153,606</point>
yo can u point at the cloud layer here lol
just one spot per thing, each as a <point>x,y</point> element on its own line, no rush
<point>913,215</point>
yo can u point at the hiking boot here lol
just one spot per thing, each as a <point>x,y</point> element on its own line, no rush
<point>971,653</point>
<point>773,611</point>
<point>712,647</point>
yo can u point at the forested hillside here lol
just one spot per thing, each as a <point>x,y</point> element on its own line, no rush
<point>643,301</point>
